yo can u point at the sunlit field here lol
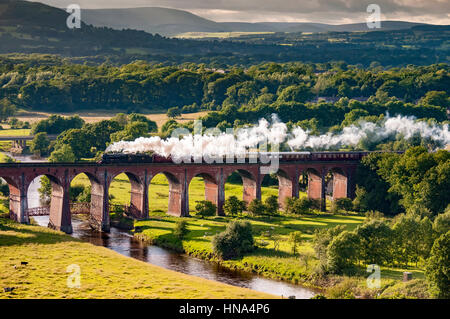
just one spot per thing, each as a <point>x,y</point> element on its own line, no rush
<point>103,272</point>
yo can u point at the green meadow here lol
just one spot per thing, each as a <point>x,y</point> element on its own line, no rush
<point>103,272</point>
<point>267,261</point>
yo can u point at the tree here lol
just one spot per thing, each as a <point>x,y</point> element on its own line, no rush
<point>78,140</point>
<point>40,143</point>
<point>132,131</point>
<point>236,240</point>
<point>233,206</point>
<point>7,109</point>
<point>295,93</point>
<point>45,190</point>
<point>412,238</point>
<point>339,204</point>
<point>173,112</point>
<point>57,124</point>
<point>441,223</point>
<point>321,240</point>
<point>342,252</point>
<point>437,267</point>
<point>256,207</point>
<point>63,154</point>
<point>436,98</point>
<point>295,239</point>
<point>375,237</point>
<point>151,125</point>
<point>272,205</point>
<point>205,208</point>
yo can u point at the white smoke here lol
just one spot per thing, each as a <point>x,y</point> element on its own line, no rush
<point>237,142</point>
<point>354,134</point>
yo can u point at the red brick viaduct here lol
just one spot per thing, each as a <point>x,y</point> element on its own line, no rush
<point>20,175</point>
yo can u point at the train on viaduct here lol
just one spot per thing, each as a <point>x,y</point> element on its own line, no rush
<point>316,165</point>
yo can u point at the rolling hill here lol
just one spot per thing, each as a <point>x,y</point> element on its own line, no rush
<point>171,22</point>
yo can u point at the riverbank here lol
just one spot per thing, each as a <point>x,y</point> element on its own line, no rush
<point>281,264</point>
<point>34,261</point>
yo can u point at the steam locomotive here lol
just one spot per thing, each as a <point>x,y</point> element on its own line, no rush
<point>263,157</point>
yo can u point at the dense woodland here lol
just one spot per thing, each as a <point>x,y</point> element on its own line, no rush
<point>54,85</point>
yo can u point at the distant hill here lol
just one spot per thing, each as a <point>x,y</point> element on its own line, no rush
<point>152,19</point>
<point>170,22</point>
<point>32,27</point>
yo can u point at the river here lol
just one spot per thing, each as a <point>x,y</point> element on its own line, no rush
<point>124,243</point>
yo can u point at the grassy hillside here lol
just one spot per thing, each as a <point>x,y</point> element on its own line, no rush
<point>104,273</point>
<point>281,263</point>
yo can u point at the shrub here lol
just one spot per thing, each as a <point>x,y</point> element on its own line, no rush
<point>321,240</point>
<point>205,208</point>
<point>272,205</point>
<point>299,206</point>
<point>256,208</point>
<point>236,240</point>
<point>339,204</point>
<point>180,230</point>
<point>233,206</point>
<point>342,252</point>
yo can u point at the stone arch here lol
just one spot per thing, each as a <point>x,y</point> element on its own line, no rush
<point>211,191</point>
<point>138,194</point>
<point>287,186</point>
<point>59,217</point>
<point>177,199</point>
<point>251,185</point>
<point>99,205</point>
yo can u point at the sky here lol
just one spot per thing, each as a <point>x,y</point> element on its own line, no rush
<point>322,11</point>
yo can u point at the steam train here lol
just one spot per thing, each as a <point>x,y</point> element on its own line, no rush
<point>114,158</point>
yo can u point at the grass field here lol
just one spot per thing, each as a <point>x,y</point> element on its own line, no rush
<point>281,263</point>
<point>15,132</point>
<point>103,273</point>
<point>99,115</point>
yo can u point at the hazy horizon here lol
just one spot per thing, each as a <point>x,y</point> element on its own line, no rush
<point>329,12</point>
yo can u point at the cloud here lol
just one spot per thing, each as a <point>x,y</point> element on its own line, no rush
<point>324,11</point>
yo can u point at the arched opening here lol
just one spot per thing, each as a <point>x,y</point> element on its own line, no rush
<point>46,197</point>
<point>276,185</point>
<point>127,195</point>
<point>86,195</point>
<point>242,184</point>
<point>202,187</point>
<point>312,186</point>
<point>165,195</point>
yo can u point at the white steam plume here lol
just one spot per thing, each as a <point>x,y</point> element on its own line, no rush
<point>276,132</point>
<point>353,134</point>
